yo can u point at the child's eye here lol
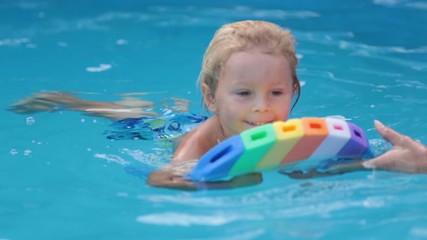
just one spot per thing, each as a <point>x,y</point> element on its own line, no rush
<point>277,93</point>
<point>243,93</point>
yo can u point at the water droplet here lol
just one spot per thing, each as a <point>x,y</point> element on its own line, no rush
<point>30,120</point>
<point>122,194</point>
<point>121,42</point>
<point>62,44</point>
<point>27,152</point>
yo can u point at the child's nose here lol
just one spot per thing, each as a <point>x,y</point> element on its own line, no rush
<point>261,105</point>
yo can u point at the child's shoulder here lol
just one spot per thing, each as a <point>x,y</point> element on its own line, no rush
<point>194,144</point>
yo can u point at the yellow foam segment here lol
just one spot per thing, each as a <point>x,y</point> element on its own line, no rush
<point>288,135</point>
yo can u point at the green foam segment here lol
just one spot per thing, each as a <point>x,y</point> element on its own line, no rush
<point>257,141</point>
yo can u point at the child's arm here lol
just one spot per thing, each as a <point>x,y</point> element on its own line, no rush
<point>128,107</point>
<point>357,165</point>
<point>193,146</point>
<point>55,101</point>
<point>165,179</point>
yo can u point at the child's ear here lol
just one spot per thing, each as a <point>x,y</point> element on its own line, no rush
<point>208,98</point>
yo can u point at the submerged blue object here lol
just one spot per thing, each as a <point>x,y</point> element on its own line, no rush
<point>149,128</point>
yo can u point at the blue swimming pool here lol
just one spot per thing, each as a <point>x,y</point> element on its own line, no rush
<point>61,178</point>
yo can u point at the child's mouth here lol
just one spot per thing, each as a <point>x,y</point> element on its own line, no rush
<point>255,124</point>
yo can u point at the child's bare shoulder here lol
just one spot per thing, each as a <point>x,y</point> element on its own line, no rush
<point>196,143</point>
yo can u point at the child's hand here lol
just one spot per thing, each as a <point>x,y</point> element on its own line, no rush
<point>406,155</point>
<point>313,173</point>
<point>168,179</point>
<point>249,179</point>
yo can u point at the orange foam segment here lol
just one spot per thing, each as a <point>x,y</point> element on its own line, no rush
<point>315,131</point>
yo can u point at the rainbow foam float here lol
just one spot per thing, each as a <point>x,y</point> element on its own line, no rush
<point>283,144</point>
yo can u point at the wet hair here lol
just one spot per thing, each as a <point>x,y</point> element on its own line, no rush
<point>245,35</point>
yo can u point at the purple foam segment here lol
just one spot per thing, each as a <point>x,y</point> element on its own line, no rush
<point>217,162</point>
<point>357,144</point>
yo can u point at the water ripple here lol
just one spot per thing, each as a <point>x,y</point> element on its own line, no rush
<point>169,16</point>
<point>402,3</point>
<point>185,219</point>
<point>112,158</point>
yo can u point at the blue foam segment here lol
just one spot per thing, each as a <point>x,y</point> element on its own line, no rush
<point>217,162</point>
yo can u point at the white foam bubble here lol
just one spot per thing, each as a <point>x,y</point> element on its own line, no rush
<point>101,68</point>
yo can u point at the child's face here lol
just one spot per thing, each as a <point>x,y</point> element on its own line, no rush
<point>255,88</point>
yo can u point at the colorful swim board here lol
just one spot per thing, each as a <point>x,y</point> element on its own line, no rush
<point>278,145</point>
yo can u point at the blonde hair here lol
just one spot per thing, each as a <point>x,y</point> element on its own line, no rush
<point>244,35</point>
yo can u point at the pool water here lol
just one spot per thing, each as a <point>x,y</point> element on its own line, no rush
<point>61,178</point>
